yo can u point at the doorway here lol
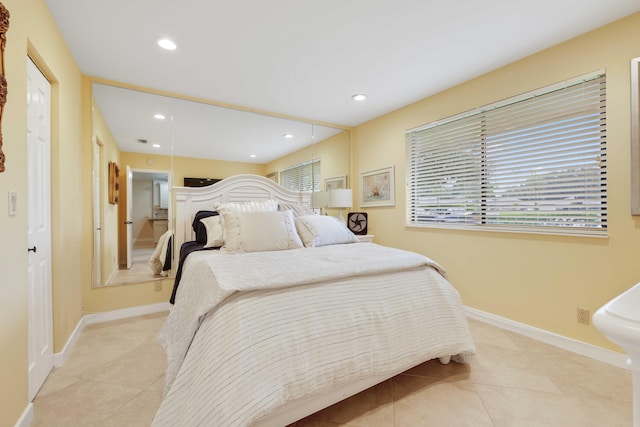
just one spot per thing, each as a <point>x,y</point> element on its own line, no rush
<point>146,219</point>
<point>39,280</point>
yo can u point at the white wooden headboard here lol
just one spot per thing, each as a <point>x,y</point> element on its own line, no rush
<point>238,188</point>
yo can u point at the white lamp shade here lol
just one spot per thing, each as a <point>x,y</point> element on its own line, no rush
<point>340,198</point>
<point>319,199</point>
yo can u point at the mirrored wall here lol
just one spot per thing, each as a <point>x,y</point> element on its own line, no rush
<point>145,143</point>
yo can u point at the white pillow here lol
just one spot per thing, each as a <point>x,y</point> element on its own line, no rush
<point>213,225</point>
<point>250,206</point>
<point>298,209</point>
<point>322,230</point>
<point>260,231</point>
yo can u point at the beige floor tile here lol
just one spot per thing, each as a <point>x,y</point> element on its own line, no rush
<point>486,334</point>
<point>310,422</point>
<point>610,413</point>
<point>91,351</point>
<point>138,412</point>
<point>581,376</point>
<point>512,377</point>
<point>370,408</point>
<point>82,403</point>
<point>141,327</point>
<point>56,382</point>
<point>426,402</point>
<point>138,368</point>
<point>513,407</point>
<point>157,385</point>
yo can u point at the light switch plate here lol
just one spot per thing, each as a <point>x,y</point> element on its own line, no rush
<point>13,203</point>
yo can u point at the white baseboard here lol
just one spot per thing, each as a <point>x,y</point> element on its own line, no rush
<point>124,313</point>
<point>598,353</point>
<point>60,358</point>
<point>27,417</point>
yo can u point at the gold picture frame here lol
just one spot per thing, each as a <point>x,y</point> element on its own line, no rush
<point>4,27</point>
<point>114,183</point>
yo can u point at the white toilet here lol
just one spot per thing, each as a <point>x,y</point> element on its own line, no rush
<point>619,321</point>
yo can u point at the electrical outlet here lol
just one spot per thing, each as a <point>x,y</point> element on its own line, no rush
<point>584,316</point>
<point>158,286</point>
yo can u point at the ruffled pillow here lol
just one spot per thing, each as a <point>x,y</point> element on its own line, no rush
<point>322,230</point>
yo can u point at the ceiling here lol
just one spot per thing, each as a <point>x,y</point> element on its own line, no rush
<point>198,130</point>
<point>307,58</point>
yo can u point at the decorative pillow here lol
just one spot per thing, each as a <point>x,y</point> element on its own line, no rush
<point>213,225</point>
<point>250,206</point>
<point>322,230</point>
<point>260,231</point>
<point>199,227</point>
<point>298,209</point>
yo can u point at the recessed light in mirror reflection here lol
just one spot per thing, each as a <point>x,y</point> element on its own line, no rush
<point>159,116</point>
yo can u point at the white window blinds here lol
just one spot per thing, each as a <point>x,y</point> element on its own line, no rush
<point>534,163</point>
<point>302,177</point>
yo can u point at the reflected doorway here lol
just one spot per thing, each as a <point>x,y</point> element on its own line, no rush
<point>144,220</point>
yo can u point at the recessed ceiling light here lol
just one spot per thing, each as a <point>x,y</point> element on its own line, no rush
<point>253,156</point>
<point>156,145</point>
<point>159,116</point>
<point>288,135</point>
<point>167,44</point>
<point>359,97</point>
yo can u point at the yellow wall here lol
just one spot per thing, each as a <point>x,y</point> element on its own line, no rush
<point>333,153</point>
<point>109,212</point>
<point>32,30</point>
<point>534,279</point>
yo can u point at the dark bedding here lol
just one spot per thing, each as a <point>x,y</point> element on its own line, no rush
<point>185,250</point>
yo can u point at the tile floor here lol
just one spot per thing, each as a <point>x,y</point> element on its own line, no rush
<point>114,377</point>
<point>139,271</point>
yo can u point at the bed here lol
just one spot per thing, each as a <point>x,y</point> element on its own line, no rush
<point>293,314</point>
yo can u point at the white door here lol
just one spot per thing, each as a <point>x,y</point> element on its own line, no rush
<point>129,221</point>
<point>39,228</point>
<point>97,211</point>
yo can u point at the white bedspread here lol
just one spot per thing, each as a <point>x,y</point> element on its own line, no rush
<point>251,333</point>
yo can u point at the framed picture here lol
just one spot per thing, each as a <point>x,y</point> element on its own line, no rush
<point>377,187</point>
<point>335,183</point>
<point>114,183</point>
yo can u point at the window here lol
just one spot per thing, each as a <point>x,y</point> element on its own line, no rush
<point>534,163</point>
<point>302,177</point>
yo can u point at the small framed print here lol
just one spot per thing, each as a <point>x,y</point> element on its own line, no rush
<point>377,187</point>
<point>335,183</point>
<point>114,183</point>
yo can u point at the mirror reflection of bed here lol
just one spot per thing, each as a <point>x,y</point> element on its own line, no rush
<point>195,139</point>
